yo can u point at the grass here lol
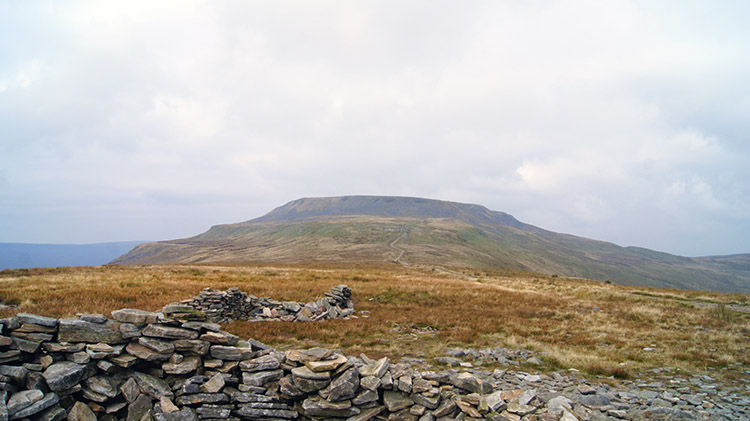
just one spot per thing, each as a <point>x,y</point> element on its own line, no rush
<point>602,329</point>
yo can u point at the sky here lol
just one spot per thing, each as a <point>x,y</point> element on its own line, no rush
<point>624,121</point>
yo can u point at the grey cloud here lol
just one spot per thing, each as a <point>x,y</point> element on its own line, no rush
<point>591,119</point>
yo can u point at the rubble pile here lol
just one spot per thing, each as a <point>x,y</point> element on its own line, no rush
<point>233,304</point>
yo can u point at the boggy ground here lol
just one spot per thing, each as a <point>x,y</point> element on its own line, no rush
<point>604,330</point>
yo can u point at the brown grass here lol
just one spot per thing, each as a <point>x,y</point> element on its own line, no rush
<point>571,323</point>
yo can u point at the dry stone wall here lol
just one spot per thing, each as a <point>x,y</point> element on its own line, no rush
<point>233,304</point>
<point>168,366</point>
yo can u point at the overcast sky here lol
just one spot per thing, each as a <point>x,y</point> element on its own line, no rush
<point>623,121</point>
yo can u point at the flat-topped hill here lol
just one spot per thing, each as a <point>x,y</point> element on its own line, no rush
<point>413,231</point>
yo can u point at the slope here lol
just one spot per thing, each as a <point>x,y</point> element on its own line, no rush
<point>360,229</point>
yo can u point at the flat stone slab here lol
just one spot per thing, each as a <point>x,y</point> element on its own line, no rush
<point>153,386</point>
<point>64,375</point>
<point>77,330</point>
<point>49,400</point>
<point>137,317</point>
<point>231,353</point>
<point>23,400</point>
<point>169,332</point>
<point>145,353</point>
<point>36,319</point>
<point>188,365</point>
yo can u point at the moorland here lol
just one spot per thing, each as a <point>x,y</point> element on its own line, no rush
<point>605,330</point>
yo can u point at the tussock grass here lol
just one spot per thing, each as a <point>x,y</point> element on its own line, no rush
<point>602,329</point>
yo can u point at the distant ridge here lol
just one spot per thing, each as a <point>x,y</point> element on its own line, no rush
<point>386,207</point>
<point>27,255</point>
<point>416,231</point>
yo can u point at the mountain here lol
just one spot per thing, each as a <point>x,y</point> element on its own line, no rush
<point>378,229</point>
<point>23,255</point>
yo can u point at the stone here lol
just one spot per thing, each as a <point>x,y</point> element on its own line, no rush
<point>136,317</point>
<point>214,411</point>
<point>9,356</point>
<point>214,384</point>
<point>157,345</point>
<point>211,327</point>
<point>467,409</point>
<point>316,407</point>
<point>427,402</point>
<point>495,401</point>
<point>519,409</point>
<point>145,353</point>
<point>23,399</point>
<point>257,345</point>
<point>594,401</point>
<point>100,351</point>
<point>64,375</point>
<point>130,390</point>
<point>420,385</point>
<point>444,409</point>
<point>168,332</point>
<point>470,382</point>
<point>152,386</point>
<point>129,330</point>
<point>93,317</point>
<point>376,369</point>
<point>327,364</point>
<point>81,412</point>
<point>103,385</point>
<point>230,353</point>
<point>526,397</point>
<point>37,320</point>
<point>367,414</point>
<point>262,377</point>
<point>17,374</point>
<point>344,386</point>
<point>139,408</point>
<point>55,347</point>
<point>365,396</point>
<point>266,362</point>
<point>585,389</point>
<point>185,414</point>
<point>167,406</point>
<point>34,328</point>
<point>29,347</point>
<point>56,413</point>
<point>405,383</point>
<point>288,389</point>
<point>76,330</point>
<point>46,402</point>
<point>193,346</point>
<point>221,338</point>
<point>370,382</point>
<point>79,357</point>
<point>202,398</point>
<point>251,411</point>
<point>395,401</point>
<point>124,361</point>
<point>303,355</point>
<point>187,365</point>
<point>183,312</point>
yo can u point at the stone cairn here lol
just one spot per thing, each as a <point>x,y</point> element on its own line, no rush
<point>174,365</point>
<point>233,304</point>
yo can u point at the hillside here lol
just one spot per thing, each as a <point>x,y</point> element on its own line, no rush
<point>24,255</point>
<point>373,229</point>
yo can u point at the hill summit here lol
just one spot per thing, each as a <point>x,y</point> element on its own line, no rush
<point>416,231</point>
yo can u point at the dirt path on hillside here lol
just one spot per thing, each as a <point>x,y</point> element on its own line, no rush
<point>400,251</point>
